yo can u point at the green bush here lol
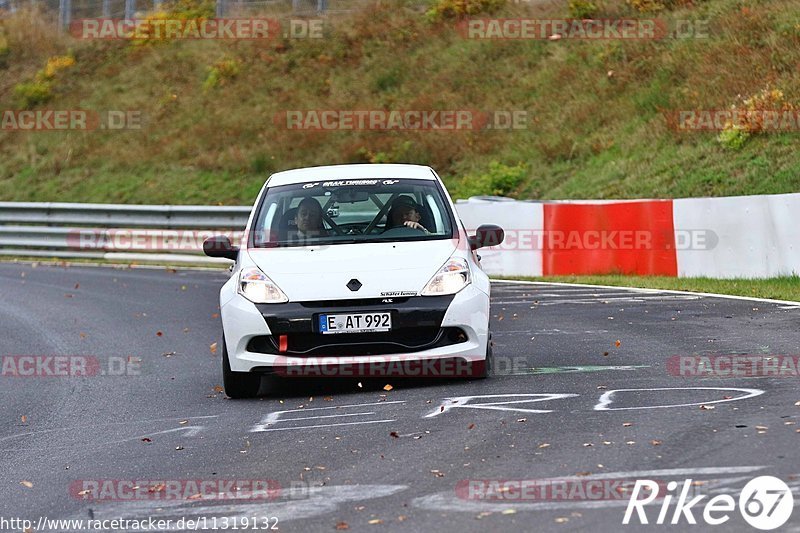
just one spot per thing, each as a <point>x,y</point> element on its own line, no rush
<point>499,180</point>
<point>40,90</point>
<point>220,73</point>
<point>733,138</point>
<point>33,93</point>
<point>191,9</point>
<point>646,6</point>
<point>455,9</point>
<point>582,9</point>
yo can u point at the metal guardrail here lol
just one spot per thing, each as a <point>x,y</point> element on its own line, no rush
<point>160,233</point>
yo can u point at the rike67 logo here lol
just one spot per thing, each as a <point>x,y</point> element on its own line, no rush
<point>765,503</point>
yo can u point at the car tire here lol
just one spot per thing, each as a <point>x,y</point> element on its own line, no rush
<point>238,385</point>
<point>487,365</point>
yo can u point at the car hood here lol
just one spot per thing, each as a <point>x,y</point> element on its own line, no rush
<point>383,269</point>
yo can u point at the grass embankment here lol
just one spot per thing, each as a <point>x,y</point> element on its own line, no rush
<point>596,127</point>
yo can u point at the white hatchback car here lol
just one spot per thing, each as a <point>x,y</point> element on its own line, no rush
<point>363,267</point>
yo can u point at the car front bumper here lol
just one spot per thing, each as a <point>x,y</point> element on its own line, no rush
<point>424,328</point>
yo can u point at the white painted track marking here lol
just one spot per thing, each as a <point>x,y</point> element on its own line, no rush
<point>463,403</point>
<point>608,397</point>
<point>277,417</point>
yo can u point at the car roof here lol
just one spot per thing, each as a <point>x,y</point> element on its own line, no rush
<point>352,172</point>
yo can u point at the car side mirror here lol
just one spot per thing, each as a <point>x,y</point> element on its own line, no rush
<point>220,246</point>
<point>487,235</point>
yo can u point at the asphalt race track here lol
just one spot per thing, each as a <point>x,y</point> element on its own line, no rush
<point>585,392</point>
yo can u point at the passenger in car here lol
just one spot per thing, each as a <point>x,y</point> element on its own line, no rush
<point>404,212</point>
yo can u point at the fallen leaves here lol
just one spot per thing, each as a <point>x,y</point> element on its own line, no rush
<point>544,445</point>
<point>655,442</point>
<point>394,435</point>
<point>26,484</point>
<point>217,388</point>
<point>147,440</point>
<point>387,387</point>
<point>471,426</point>
<point>375,521</point>
<point>213,348</point>
<point>618,343</point>
<point>159,333</point>
<point>341,526</point>
<point>24,419</point>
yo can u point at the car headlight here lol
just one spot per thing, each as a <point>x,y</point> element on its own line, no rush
<point>450,279</point>
<point>258,288</point>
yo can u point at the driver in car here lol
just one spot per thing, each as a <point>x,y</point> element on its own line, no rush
<point>405,212</point>
<point>309,219</point>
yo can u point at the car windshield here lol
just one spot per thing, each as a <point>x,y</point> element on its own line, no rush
<point>351,211</point>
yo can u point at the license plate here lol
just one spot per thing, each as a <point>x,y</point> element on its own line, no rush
<point>355,323</point>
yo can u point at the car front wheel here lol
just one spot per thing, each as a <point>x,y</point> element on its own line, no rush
<point>238,385</point>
